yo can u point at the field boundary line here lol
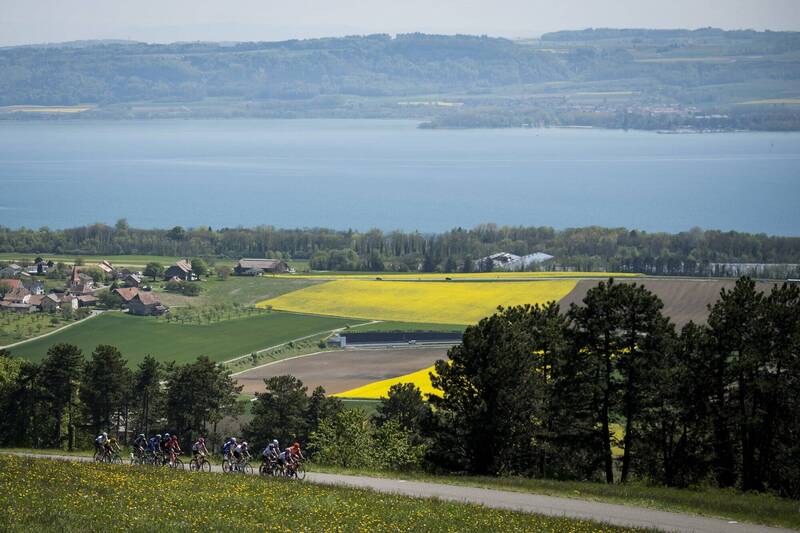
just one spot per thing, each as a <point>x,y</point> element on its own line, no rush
<point>335,330</point>
<point>62,328</point>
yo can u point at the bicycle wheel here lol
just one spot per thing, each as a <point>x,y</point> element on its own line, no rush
<point>116,459</point>
<point>206,466</point>
<point>193,466</point>
<point>178,464</point>
<point>264,469</point>
<point>300,472</point>
<point>226,466</point>
<point>247,468</point>
<point>97,457</point>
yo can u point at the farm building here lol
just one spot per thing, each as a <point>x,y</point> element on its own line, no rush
<point>106,267</point>
<point>511,262</point>
<point>181,270</point>
<point>258,267</point>
<point>127,294</point>
<point>132,280</point>
<point>50,303</point>
<point>145,304</point>
<point>11,271</point>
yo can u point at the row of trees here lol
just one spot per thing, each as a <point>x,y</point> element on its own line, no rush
<point>695,252</point>
<point>534,391</point>
<point>66,399</point>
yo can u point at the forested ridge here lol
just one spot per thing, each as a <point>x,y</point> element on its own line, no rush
<point>592,248</point>
<point>606,78</point>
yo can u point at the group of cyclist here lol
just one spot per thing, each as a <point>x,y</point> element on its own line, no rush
<point>166,448</point>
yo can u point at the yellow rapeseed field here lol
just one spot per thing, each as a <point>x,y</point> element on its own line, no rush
<point>430,301</point>
<point>460,275</point>
<point>380,389</point>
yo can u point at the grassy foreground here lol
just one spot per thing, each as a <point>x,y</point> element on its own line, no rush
<point>43,495</point>
<point>138,336</point>
<point>729,504</point>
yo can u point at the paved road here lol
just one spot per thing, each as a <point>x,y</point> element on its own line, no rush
<point>620,515</point>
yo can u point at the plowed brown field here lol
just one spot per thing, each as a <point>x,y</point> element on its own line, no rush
<point>340,371</point>
<point>684,299</point>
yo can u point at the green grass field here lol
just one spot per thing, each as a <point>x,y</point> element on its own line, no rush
<point>15,327</point>
<point>729,504</point>
<point>244,290</point>
<point>138,336</point>
<point>43,495</point>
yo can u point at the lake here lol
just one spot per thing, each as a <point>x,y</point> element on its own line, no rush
<point>362,174</point>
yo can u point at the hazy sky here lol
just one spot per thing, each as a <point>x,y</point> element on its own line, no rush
<point>36,21</point>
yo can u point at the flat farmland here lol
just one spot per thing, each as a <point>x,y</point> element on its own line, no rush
<point>343,370</point>
<point>139,336</point>
<point>684,299</point>
<point>410,301</point>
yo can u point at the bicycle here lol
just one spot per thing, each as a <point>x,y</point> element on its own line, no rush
<point>270,467</point>
<point>199,463</point>
<point>176,462</point>
<point>295,470</point>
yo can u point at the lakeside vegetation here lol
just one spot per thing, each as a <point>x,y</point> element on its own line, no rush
<point>60,496</point>
<point>695,252</point>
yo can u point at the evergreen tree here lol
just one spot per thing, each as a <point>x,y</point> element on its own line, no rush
<point>60,378</point>
<point>106,379</point>
<point>281,412</point>
<point>147,392</point>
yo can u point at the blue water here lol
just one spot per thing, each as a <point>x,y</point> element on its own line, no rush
<point>388,174</point>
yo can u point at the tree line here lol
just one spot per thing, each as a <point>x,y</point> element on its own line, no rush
<point>66,399</point>
<point>695,252</point>
<point>536,391</point>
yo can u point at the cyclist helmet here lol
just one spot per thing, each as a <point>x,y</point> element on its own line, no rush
<point>141,435</point>
<point>275,442</point>
<point>201,440</point>
<point>166,435</point>
<point>158,436</point>
<point>233,440</point>
<point>105,434</point>
<point>244,443</point>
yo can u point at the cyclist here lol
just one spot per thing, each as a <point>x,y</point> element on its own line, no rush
<point>173,449</point>
<point>165,442</point>
<point>113,446</point>
<point>241,452</point>
<point>101,444</point>
<point>226,448</point>
<point>154,445</point>
<point>139,445</point>
<point>293,454</point>
<point>271,452</point>
<point>199,451</point>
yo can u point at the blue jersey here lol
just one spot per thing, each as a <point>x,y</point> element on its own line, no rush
<point>152,444</point>
<point>227,447</point>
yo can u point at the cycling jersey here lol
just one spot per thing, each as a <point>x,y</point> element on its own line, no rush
<point>153,444</point>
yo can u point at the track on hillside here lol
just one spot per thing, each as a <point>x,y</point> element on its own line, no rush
<point>684,299</point>
<point>343,370</point>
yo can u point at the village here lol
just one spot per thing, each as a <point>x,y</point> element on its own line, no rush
<point>24,288</point>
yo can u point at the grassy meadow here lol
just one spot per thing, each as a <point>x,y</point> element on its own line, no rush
<point>16,327</point>
<point>44,495</point>
<point>139,336</point>
<point>434,302</point>
<point>470,276</point>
